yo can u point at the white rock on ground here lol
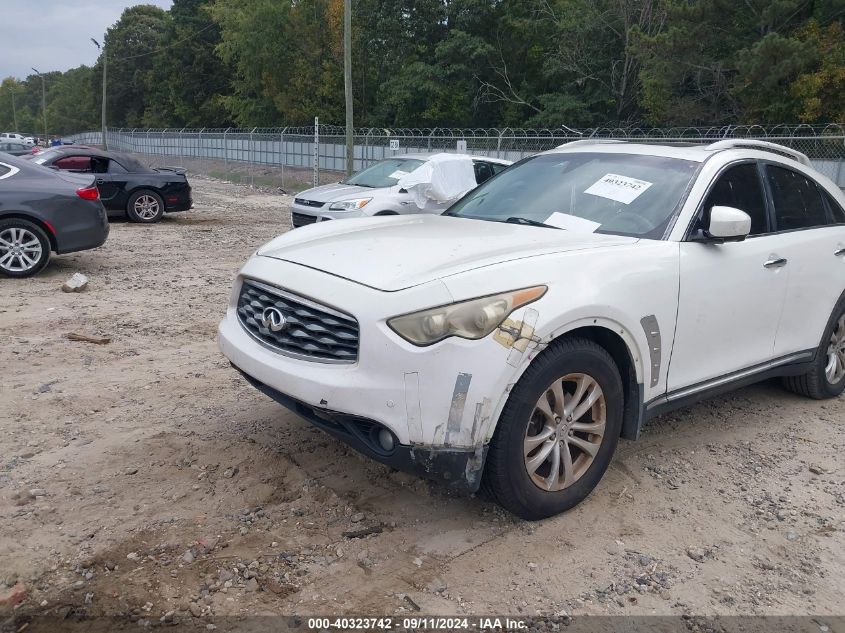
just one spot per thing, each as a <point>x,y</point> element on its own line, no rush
<point>76,283</point>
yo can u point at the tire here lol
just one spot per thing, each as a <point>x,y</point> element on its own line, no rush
<point>826,378</point>
<point>24,248</point>
<point>145,207</point>
<point>574,364</point>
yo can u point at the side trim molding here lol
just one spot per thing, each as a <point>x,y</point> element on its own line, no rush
<point>652,334</point>
<point>790,365</point>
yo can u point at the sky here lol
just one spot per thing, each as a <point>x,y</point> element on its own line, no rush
<point>55,34</point>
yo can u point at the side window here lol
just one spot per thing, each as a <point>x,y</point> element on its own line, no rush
<point>740,187</point>
<point>116,168</point>
<point>483,171</point>
<point>798,201</point>
<point>835,208</point>
<point>4,171</point>
<point>496,167</point>
<point>74,163</point>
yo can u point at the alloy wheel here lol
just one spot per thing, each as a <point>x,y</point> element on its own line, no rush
<point>20,250</point>
<point>565,431</point>
<point>835,368</point>
<point>146,207</point>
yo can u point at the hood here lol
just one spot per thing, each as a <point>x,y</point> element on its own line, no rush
<point>338,191</point>
<point>397,252</point>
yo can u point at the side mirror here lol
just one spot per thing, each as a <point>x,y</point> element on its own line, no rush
<point>727,224</point>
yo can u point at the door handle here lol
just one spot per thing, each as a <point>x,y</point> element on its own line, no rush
<point>100,182</point>
<point>839,253</point>
<point>778,262</point>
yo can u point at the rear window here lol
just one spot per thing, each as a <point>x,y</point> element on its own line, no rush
<point>835,208</point>
<point>797,199</point>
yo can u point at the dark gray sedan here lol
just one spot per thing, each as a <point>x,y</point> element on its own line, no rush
<point>42,210</point>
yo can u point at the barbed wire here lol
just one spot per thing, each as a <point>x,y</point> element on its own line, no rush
<point>679,133</point>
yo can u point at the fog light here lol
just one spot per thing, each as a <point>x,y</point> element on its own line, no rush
<point>385,439</point>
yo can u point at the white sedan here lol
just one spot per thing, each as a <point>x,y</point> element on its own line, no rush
<point>554,309</point>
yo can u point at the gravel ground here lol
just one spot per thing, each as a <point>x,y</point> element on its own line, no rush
<point>145,480</point>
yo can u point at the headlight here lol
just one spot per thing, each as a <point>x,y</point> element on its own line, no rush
<point>349,205</point>
<point>471,319</point>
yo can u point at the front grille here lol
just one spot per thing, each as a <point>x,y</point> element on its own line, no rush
<point>311,331</point>
<point>308,203</point>
<point>300,219</point>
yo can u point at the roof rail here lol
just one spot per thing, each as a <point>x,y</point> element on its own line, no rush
<point>590,141</point>
<point>763,146</point>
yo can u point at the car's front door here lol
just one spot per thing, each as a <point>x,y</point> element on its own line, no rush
<point>813,223</point>
<point>112,179</point>
<point>731,295</point>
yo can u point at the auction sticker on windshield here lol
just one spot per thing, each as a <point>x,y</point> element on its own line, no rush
<point>620,188</point>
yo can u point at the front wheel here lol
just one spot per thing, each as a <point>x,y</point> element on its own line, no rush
<point>558,431</point>
<point>24,248</point>
<point>826,378</point>
<point>145,207</point>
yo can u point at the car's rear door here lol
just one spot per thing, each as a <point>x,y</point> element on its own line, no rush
<point>813,224</point>
<point>731,295</point>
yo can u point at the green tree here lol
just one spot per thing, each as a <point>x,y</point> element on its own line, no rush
<point>131,44</point>
<point>188,81</point>
<point>71,101</point>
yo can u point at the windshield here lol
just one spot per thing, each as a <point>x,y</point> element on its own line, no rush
<point>384,173</point>
<point>42,157</point>
<point>621,194</point>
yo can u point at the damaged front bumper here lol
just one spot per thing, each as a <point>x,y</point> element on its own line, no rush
<point>457,468</point>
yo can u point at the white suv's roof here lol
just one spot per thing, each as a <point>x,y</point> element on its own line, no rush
<point>693,152</point>
<point>426,156</point>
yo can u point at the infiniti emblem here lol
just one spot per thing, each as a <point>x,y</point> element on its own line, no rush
<point>273,319</point>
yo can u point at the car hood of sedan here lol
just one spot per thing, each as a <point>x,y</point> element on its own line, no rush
<point>336,191</point>
<point>394,253</point>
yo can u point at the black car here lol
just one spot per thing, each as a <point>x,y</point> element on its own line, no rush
<point>15,148</point>
<point>42,211</point>
<point>126,185</point>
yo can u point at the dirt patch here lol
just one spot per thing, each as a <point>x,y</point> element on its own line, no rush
<point>146,481</point>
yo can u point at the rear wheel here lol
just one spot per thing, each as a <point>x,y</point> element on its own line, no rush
<point>826,379</point>
<point>145,207</point>
<point>24,248</point>
<point>558,431</point>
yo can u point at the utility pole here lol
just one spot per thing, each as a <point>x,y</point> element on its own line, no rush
<point>105,68</point>
<point>347,83</point>
<point>43,100</point>
<point>14,109</point>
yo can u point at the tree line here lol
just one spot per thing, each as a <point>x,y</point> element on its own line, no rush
<point>454,63</point>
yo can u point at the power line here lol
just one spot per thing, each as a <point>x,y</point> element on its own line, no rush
<point>164,48</point>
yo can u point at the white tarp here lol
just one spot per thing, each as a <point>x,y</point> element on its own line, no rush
<point>439,181</point>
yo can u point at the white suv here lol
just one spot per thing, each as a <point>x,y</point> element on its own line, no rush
<point>376,190</point>
<point>554,309</point>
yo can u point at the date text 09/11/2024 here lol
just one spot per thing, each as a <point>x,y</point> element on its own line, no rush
<point>417,623</point>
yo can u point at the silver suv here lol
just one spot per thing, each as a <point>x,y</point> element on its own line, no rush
<point>374,191</point>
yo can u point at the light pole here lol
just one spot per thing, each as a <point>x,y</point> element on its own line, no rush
<point>347,82</point>
<point>43,100</point>
<point>105,68</point>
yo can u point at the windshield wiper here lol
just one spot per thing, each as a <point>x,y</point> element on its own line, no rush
<point>528,222</point>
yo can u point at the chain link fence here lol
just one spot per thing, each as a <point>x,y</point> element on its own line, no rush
<point>294,158</point>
